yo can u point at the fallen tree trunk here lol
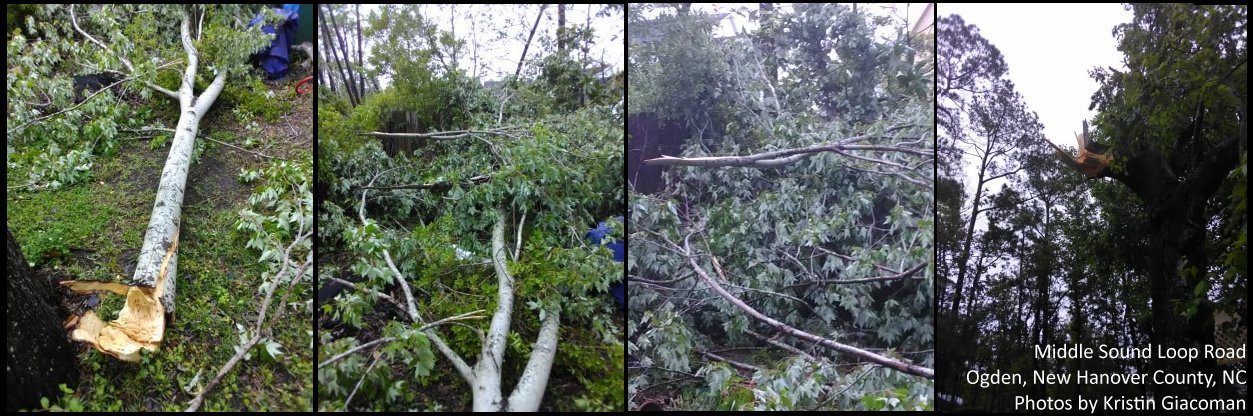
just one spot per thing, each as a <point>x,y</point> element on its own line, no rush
<point>150,296</point>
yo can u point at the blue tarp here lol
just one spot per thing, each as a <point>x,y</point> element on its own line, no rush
<point>599,233</point>
<point>276,59</point>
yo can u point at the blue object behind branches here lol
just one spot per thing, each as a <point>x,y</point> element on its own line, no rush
<point>276,58</point>
<point>599,233</point>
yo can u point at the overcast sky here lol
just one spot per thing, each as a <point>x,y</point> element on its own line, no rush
<point>1050,49</point>
<point>500,56</point>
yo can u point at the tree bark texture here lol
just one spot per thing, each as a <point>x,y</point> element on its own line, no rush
<point>40,355</point>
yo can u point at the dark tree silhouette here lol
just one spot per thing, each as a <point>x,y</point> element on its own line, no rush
<point>39,355</point>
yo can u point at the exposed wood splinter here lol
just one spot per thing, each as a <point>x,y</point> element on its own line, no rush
<point>140,325</point>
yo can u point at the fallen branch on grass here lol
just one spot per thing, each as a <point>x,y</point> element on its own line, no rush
<point>263,326</point>
<point>241,149</point>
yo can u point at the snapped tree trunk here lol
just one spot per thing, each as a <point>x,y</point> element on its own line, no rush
<point>39,355</point>
<point>150,297</point>
<point>1178,264</point>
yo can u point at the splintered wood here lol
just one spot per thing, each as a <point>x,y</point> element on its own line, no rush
<point>1089,163</point>
<point>140,324</point>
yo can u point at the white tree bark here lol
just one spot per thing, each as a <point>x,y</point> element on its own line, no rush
<point>168,208</point>
<point>486,386</point>
<point>485,376</point>
<point>150,298</point>
<point>529,391</point>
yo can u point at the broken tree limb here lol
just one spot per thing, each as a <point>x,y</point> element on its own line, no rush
<point>901,366</point>
<point>445,185</point>
<point>507,131</point>
<point>141,323</point>
<point>1089,162</point>
<point>779,158</point>
<point>259,154</point>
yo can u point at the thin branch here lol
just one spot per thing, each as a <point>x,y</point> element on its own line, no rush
<point>736,364</point>
<point>341,355</point>
<point>783,157</point>
<point>508,131</point>
<point>353,286</point>
<point>481,179</point>
<point>468,316</point>
<point>230,364</point>
<point>241,149</point>
<point>361,209</point>
<point>359,382</point>
<point>517,250</point>
<point>404,284</point>
<point>898,276</point>
<point>783,346</point>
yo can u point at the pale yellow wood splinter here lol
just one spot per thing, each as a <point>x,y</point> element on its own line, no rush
<point>139,325</point>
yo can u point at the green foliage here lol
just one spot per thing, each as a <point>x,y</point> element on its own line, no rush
<point>67,403</point>
<point>1180,60</point>
<point>255,98</point>
<point>281,209</point>
<point>570,86</point>
<point>789,241</point>
<point>49,151</point>
<point>685,55</point>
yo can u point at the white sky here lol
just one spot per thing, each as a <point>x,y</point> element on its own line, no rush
<point>1050,49</point>
<point>500,56</point>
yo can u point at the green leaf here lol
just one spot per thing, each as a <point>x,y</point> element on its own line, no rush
<point>274,349</point>
<point>426,357</point>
